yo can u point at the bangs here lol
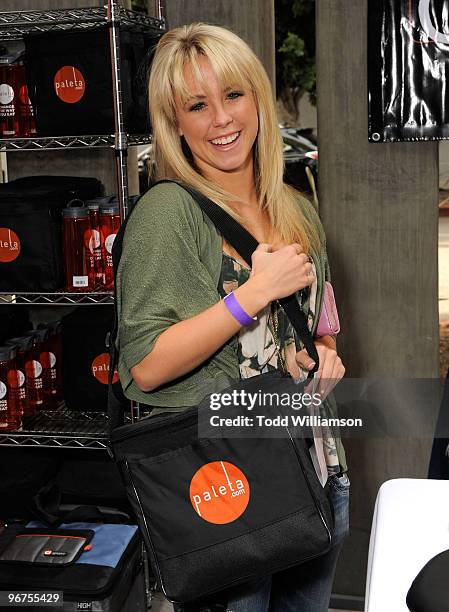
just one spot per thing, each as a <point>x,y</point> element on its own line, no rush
<point>229,71</point>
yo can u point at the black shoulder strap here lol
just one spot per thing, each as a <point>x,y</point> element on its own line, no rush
<point>46,507</point>
<point>245,244</point>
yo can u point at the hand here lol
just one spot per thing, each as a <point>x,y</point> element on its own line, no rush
<point>282,272</point>
<point>331,369</point>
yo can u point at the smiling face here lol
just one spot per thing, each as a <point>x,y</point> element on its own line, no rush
<point>219,125</point>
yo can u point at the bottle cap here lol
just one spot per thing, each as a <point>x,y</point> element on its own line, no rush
<point>40,334</point>
<point>75,212</point>
<point>23,343</point>
<point>93,205</point>
<point>7,353</point>
<point>52,327</point>
<point>110,208</point>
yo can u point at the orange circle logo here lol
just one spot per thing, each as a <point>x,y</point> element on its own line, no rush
<point>69,84</point>
<point>100,369</point>
<point>9,245</point>
<point>219,492</point>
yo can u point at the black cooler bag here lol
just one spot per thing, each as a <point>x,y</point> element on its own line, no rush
<point>86,357</point>
<point>69,79</point>
<point>30,229</point>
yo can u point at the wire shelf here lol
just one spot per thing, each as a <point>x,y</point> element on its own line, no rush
<point>51,143</point>
<point>62,428</point>
<point>57,298</point>
<point>13,25</point>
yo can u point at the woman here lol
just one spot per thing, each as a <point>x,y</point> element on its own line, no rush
<point>215,128</point>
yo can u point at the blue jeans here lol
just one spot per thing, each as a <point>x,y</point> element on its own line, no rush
<point>304,588</point>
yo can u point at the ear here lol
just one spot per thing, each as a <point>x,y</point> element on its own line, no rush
<point>180,132</point>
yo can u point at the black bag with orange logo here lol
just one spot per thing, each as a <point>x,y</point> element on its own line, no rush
<point>86,357</point>
<point>69,80</point>
<point>219,511</point>
<point>31,229</point>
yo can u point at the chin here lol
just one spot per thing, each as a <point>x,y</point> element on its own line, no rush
<point>231,165</point>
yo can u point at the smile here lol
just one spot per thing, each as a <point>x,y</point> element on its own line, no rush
<point>226,140</point>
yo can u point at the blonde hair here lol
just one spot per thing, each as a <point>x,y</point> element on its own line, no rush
<point>233,63</point>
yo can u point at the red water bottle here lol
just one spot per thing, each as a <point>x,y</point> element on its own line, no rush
<point>9,118</point>
<point>109,226</point>
<point>95,241</point>
<point>79,273</point>
<point>47,359</point>
<point>10,416</point>
<point>27,121</point>
<point>55,342</point>
<point>22,346</point>
<point>50,357</point>
<point>33,375</point>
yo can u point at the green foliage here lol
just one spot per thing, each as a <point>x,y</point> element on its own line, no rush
<point>295,50</point>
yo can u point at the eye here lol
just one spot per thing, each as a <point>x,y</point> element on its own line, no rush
<point>233,95</point>
<point>197,107</point>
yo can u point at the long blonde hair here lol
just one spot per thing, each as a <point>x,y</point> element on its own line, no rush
<point>234,63</point>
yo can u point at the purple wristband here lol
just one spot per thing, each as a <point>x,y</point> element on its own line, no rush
<point>237,311</point>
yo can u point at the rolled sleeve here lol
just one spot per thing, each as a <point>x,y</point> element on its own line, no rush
<point>161,279</point>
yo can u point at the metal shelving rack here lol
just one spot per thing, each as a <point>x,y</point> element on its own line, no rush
<point>13,25</point>
<point>46,143</point>
<point>63,428</point>
<point>57,298</point>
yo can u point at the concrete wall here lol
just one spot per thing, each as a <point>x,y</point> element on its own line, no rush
<point>379,207</point>
<point>253,20</point>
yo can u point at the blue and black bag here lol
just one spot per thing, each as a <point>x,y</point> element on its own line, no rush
<point>94,564</point>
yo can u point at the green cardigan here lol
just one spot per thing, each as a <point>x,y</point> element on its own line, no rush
<point>169,271</point>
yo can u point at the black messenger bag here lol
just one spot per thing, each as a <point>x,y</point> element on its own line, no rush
<point>217,512</point>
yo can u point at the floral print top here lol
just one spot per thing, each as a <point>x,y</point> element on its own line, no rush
<point>269,344</point>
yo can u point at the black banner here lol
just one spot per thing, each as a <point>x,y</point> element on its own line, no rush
<point>408,70</point>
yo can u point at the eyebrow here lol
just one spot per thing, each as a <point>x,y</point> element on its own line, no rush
<point>204,96</point>
<point>196,97</point>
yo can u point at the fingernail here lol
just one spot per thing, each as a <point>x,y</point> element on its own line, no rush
<point>311,365</point>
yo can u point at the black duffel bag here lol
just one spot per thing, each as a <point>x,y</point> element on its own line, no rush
<point>85,349</point>
<point>31,229</point>
<point>69,80</point>
<point>217,512</point>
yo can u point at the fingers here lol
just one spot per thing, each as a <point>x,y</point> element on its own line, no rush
<point>331,369</point>
<point>297,248</point>
<point>304,361</point>
<point>264,247</point>
<point>305,261</point>
<point>308,270</point>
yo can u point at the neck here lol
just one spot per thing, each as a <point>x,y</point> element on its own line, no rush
<point>239,183</point>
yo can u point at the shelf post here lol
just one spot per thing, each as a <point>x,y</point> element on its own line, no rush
<point>120,141</point>
<point>159,11</point>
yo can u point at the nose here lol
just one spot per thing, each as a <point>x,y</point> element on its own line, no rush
<point>221,116</point>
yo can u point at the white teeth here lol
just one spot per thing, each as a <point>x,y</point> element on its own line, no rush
<point>227,140</point>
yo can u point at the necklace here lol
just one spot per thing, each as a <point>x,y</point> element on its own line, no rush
<point>275,320</point>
